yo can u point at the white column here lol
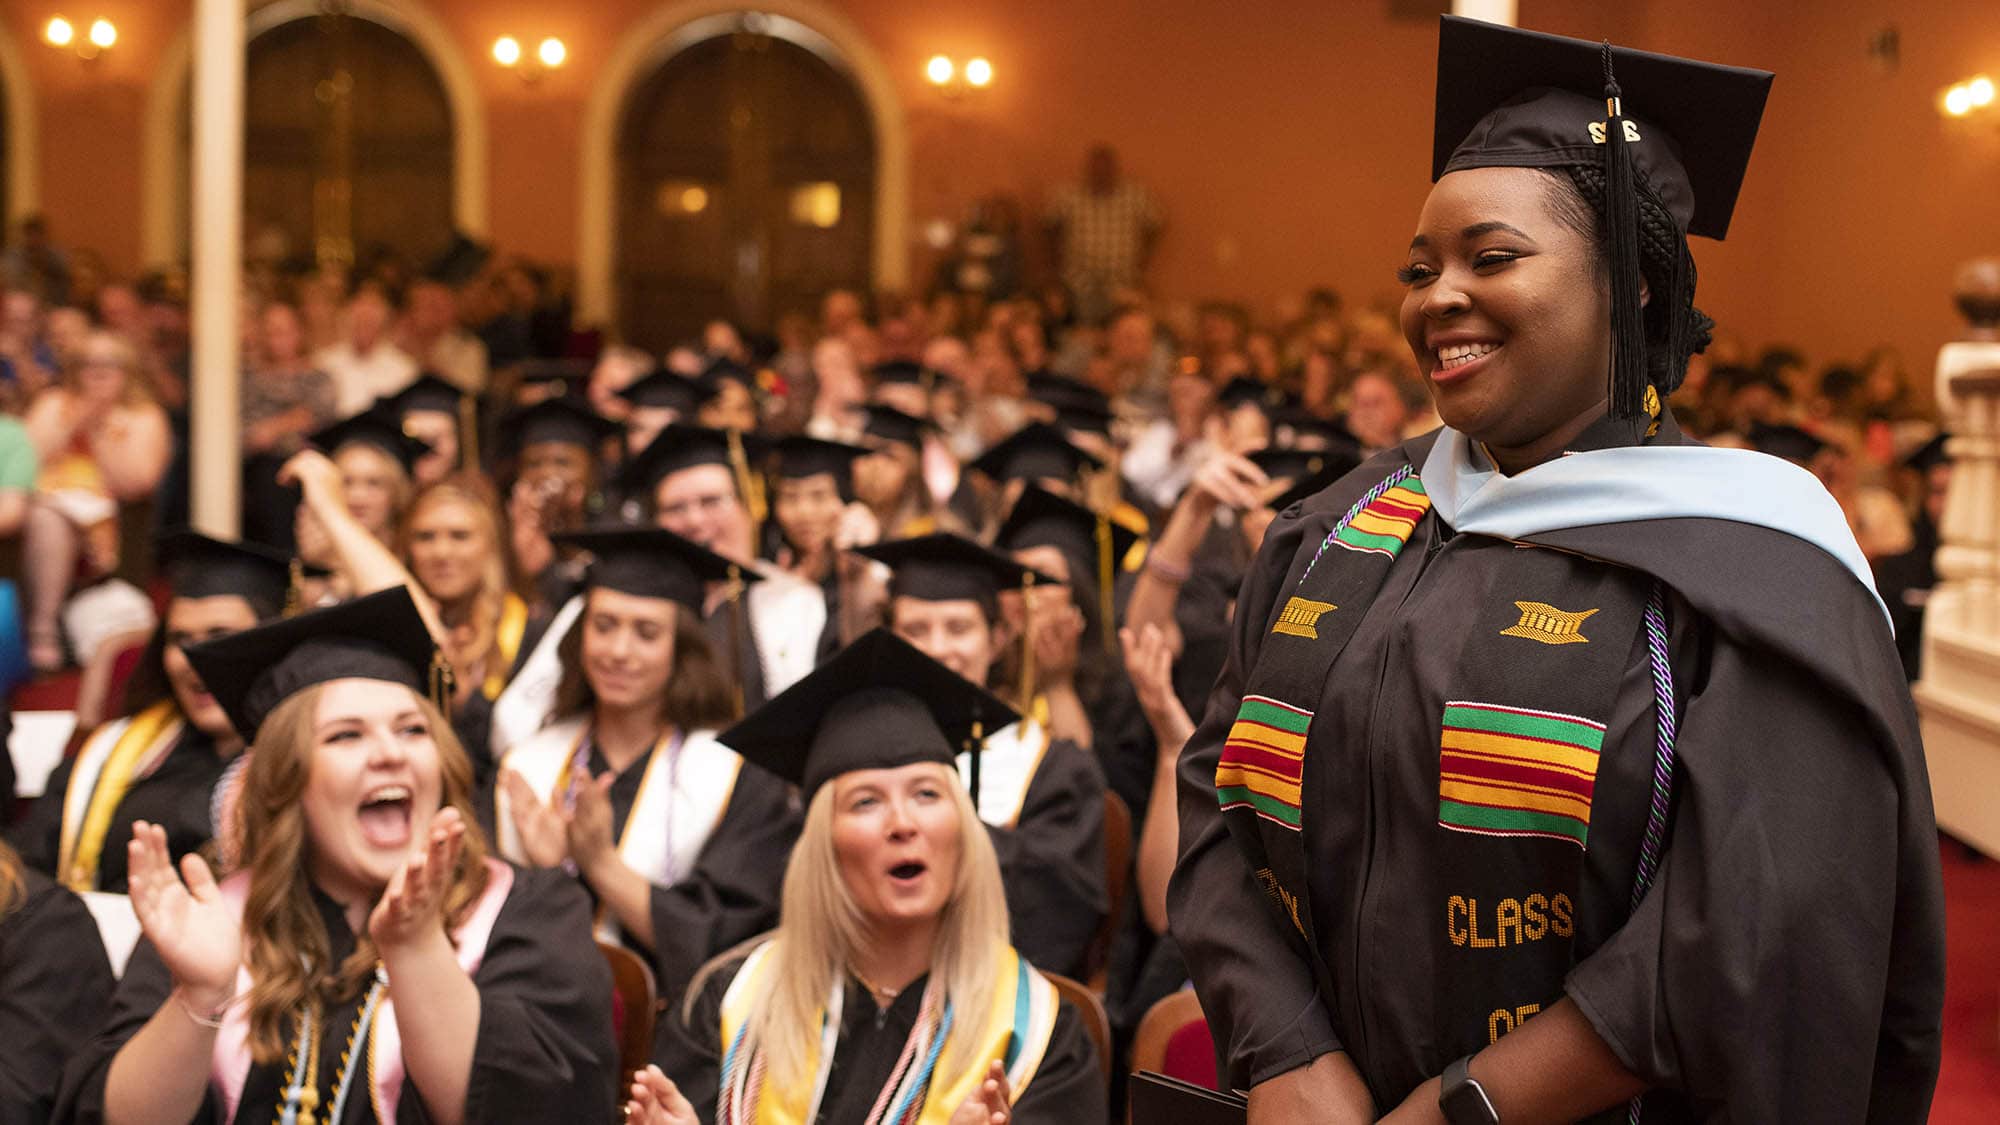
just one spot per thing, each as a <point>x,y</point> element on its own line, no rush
<point>1492,11</point>
<point>215,423</point>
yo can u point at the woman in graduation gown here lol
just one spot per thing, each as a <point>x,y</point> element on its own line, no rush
<point>1560,761</point>
<point>370,962</point>
<point>889,982</point>
<point>161,762</point>
<point>54,986</point>
<point>816,516</point>
<point>1041,796</point>
<point>681,847</point>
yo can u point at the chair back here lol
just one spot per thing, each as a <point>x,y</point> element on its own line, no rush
<point>1173,1039</point>
<point>1117,883</point>
<point>632,1013</point>
<point>1095,1021</point>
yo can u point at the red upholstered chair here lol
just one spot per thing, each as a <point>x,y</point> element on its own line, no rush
<point>1173,1040</point>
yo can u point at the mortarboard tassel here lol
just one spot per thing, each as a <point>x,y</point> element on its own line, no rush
<point>1107,570</point>
<point>295,588</point>
<point>1621,233</point>
<point>1027,697</point>
<point>974,746</point>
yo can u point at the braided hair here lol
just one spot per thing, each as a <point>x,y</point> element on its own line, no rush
<point>1674,329</point>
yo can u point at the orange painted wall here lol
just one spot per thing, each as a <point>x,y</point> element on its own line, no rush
<point>1288,142</point>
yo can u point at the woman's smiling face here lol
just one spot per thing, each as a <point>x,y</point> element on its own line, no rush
<point>1506,309</point>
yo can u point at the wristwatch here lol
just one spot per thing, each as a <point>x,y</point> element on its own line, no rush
<point>1462,1099</point>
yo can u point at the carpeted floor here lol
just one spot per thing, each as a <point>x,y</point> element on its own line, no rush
<point>1968,1090</point>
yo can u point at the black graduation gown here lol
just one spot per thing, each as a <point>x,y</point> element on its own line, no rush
<point>175,796</point>
<point>735,646</point>
<point>733,891</point>
<point>1787,961</point>
<point>1052,861</point>
<point>544,1050</point>
<point>1067,1087</point>
<point>1906,581</point>
<point>55,984</point>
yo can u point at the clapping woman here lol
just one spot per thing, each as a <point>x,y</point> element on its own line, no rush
<point>369,962</point>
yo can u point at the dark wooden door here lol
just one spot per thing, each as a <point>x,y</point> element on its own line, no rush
<point>746,170</point>
<point>347,141</point>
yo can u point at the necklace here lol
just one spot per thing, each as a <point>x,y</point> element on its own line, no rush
<point>302,1102</point>
<point>883,996</point>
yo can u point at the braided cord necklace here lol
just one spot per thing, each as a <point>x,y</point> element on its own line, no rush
<point>302,1089</point>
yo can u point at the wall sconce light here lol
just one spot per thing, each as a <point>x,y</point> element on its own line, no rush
<point>943,72</point>
<point>549,54</point>
<point>98,38</point>
<point>1974,95</point>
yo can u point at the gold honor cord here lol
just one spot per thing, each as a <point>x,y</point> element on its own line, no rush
<point>295,588</point>
<point>747,483</point>
<point>1027,639</point>
<point>1106,568</point>
<point>443,683</point>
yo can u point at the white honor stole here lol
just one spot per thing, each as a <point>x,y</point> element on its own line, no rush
<point>529,699</point>
<point>681,800</point>
<point>787,615</point>
<point>229,1063</point>
<point>1007,764</point>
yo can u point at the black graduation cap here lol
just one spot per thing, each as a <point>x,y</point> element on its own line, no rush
<point>377,637</point>
<point>1307,486</point>
<point>563,377</point>
<point>1683,129</point>
<point>683,446</point>
<point>1245,390</point>
<point>949,568</point>
<point>665,390</point>
<point>197,566</point>
<point>1789,442</point>
<point>427,394</point>
<point>651,562</point>
<point>373,427</point>
<point>460,262</point>
<point>1296,464</point>
<point>725,370</point>
<point>877,704</point>
<point>1305,425</point>
<point>1043,519</point>
<point>799,456</point>
<point>1079,406</point>
<point>1034,452</point>
<point>1929,455</point>
<point>891,424</point>
<point>903,371</point>
<point>564,421</point>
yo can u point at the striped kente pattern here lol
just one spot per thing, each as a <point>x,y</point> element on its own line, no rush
<point>1510,771</point>
<point>1263,760</point>
<point>1385,524</point>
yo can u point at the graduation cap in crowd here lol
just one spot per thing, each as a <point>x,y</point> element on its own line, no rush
<point>1679,129</point>
<point>725,370</point>
<point>460,262</point>
<point>948,568</point>
<point>1929,455</point>
<point>1093,544</point>
<point>1298,464</point>
<point>430,394</point>
<point>1079,407</point>
<point>377,429</point>
<point>1314,432</point>
<point>666,390</point>
<point>561,377</point>
<point>1307,486</point>
<point>890,424</point>
<point>1790,442</point>
<point>877,704</point>
<point>651,562</point>
<point>376,637</point>
<point>799,457</point>
<point>558,421</point>
<point>907,373</point>
<point>1036,451</point>
<point>683,445</point>
<point>197,566</point>
<point>1245,390</point>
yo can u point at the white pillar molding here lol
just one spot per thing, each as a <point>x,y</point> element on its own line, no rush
<point>215,494</point>
<point>163,203</point>
<point>24,157</point>
<point>1506,12</point>
<point>673,27</point>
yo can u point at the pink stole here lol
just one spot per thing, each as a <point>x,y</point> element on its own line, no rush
<point>230,1064</point>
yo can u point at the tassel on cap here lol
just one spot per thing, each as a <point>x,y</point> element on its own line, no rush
<point>1621,233</point>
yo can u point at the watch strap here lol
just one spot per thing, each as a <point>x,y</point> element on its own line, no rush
<point>1462,1100</point>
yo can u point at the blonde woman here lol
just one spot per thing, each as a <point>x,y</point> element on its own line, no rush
<point>369,963</point>
<point>453,547</point>
<point>888,992</point>
<point>102,442</point>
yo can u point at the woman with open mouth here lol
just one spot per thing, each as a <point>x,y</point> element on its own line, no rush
<point>1563,768</point>
<point>369,962</point>
<point>682,849</point>
<point>888,991</point>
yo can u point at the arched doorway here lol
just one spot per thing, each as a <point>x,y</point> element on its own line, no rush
<point>746,187</point>
<point>348,143</point>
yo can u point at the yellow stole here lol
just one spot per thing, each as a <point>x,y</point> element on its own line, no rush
<point>1016,1032</point>
<point>506,644</point>
<point>137,752</point>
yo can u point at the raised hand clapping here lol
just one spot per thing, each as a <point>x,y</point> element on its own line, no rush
<point>198,935</point>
